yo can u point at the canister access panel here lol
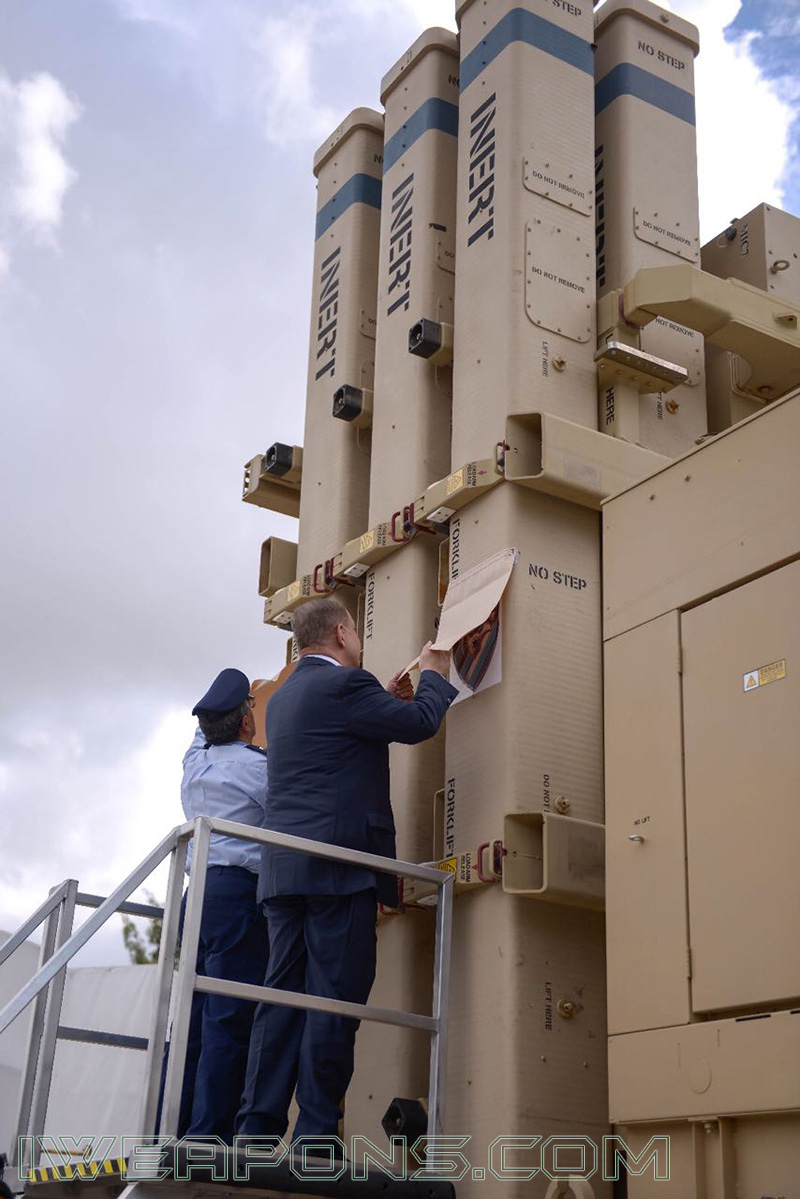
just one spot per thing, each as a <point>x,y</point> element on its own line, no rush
<point>741,695</point>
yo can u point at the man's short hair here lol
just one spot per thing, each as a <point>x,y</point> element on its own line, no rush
<point>315,621</point>
<point>224,729</point>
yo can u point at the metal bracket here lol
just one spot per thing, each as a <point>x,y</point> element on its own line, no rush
<point>424,514</point>
<point>278,493</point>
<point>569,461</point>
<point>555,858</point>
<point>730,314</point>
<point>621,363</point>
<point>278,565</point>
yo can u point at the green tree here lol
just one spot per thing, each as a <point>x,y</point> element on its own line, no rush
<point>143,948</point>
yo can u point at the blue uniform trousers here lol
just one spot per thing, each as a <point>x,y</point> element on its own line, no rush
<point>233,945</point>
<point>320,945</point>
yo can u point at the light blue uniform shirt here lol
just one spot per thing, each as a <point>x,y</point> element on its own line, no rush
<point>230,783</point>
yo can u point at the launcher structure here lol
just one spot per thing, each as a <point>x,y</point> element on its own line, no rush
<point>509,325</point>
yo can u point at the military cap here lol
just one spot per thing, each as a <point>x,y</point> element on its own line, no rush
<point>228,691</point>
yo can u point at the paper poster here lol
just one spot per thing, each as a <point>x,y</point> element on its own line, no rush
<point>469,626</point>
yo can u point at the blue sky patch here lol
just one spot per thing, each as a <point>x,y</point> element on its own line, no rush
<point>775,49</point>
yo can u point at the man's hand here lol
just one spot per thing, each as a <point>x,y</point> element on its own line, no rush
<point>399,686</point>
<point>435,659</point>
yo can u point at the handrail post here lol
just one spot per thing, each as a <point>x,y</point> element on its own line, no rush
<point>35,1032</point>
<point>164,976</point>
<point>87,930</point>
<point>47,986</point>
<point>441,1002</point>
<point>187,975</point>
<point>52,1018</point>
<point>29,926</point>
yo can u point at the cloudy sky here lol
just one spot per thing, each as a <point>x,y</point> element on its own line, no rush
<point>156,217</point>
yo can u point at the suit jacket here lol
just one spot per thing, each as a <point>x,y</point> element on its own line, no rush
<point>328,732</point>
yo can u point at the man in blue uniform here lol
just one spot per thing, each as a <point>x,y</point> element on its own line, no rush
<point>224,775</point>
<point>329,729</point>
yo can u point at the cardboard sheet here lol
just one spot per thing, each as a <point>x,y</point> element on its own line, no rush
<point>469,626</point>
<point>263,690</point>
<point>472,598</point>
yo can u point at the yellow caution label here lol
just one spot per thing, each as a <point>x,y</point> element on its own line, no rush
<point>294,590</point>
<point>467,869</point>
<point>366,542</point>
<point>763,675</point>
<point>68,1172</point>
<point>464,867</point>
<point>771,673</point>
<point>455,481</point>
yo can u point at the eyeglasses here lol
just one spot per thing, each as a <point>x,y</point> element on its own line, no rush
<point>251,701</point>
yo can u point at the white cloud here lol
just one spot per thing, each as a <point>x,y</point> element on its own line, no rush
<point>743,123</point>
<point>44,114</point>
<point>157,12</point>
<point>94,819</point>
<point>426,13</point>
<point>273,65</point>
<point>292,110</point>
<point>35,118</point>
<point>432,12</point>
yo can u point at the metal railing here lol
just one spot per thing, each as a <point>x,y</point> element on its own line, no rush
<point>60,944</point>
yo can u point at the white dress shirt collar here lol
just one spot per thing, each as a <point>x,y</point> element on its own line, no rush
<point>324,658</point>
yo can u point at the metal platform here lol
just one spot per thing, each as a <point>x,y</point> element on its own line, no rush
<point>179,1174</point>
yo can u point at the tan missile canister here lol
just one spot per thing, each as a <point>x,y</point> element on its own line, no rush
<point>410,450</point>
<point>334,495</point>
<point>549,700</point>
<point>763,249</point>
<point>647,205</point>
<point>400,610</point>
<point>529,743</point>
<point>525,293</point>
<point>411,417</point>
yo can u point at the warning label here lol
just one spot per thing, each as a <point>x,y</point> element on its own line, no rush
<point>455,481</point>
<point>764,675</point>
<point>464,868</point>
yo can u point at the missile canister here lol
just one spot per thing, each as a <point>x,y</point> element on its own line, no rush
<point>411,418</point>
<point>525,292</point>
<point>410,450</point>
<point>762,249</point>
<point>336,455</point>
<point>647,205</point>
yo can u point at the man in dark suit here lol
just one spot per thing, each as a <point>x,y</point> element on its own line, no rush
<point>328,729</point>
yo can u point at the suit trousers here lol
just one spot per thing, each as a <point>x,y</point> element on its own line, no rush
<point>320,945</point>
<point>233,945</point>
